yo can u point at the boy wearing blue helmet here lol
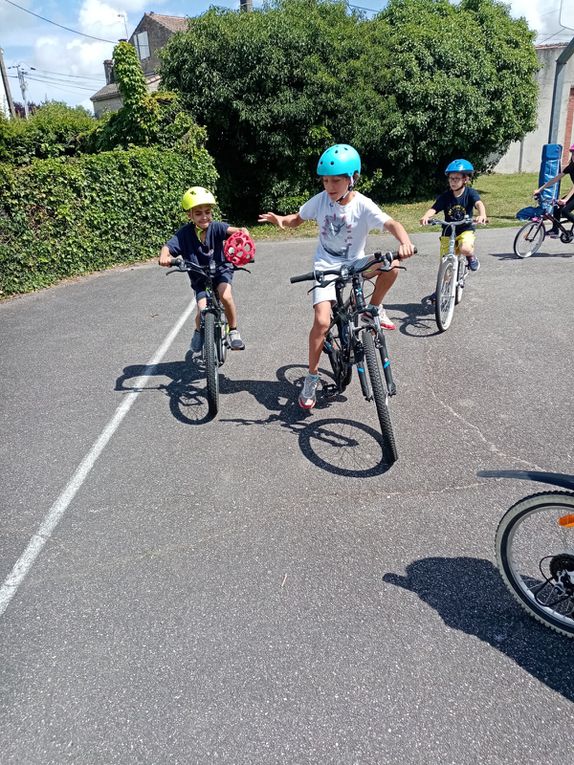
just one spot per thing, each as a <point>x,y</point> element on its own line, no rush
<point>456,203</point>
<point>344,217</point>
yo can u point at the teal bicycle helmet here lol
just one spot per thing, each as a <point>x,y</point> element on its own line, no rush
<point>459,166</point>
<point>340,159</point>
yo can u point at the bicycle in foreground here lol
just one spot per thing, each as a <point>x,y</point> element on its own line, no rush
<point>355,338</point>
<point>213,326</point>
<point>535,549</point>
<point>451,277</point>
<point>530,237</point>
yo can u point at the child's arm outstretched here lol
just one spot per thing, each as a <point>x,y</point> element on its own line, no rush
<point>281,221</point>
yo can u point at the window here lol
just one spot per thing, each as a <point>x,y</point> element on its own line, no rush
<point>142,45</point>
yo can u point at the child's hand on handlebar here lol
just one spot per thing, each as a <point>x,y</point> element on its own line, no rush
<point>406,250</point>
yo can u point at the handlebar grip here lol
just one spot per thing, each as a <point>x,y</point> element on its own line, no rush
<point>177,261</point>
<point>302,277</point>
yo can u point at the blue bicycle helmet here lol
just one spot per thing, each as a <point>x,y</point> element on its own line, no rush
<point>459,166</point>
<point>340,159</point>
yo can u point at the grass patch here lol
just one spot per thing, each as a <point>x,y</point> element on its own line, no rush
<point>503,195</point>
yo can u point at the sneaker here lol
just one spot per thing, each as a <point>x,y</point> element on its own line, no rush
<point>308,396</point>
<point>234,340</point>
<point>196,341</point>
<point>384,320</point>
<point>473,263</point>
<point>386,323</point>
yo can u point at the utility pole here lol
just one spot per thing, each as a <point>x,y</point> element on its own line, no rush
<point>23,85</point>
<point>6,83</point>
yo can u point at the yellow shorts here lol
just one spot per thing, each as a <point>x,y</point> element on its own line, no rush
<point>467,237</point>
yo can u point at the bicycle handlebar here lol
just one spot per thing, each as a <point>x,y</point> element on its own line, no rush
<point>180,264</point>
<point>450,223</point>
<point>345,271</point>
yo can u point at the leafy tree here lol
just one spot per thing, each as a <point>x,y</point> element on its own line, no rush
<point>145,119</point>
<point>420,83</point>
<point>461,84</point>
<point>53,130</point>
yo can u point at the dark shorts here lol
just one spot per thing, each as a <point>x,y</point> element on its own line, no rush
<point>225,276</point>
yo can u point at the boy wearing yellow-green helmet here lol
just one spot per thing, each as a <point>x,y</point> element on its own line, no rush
<point>200,241</point>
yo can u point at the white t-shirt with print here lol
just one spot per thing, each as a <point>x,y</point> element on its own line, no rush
<point>343,229</point>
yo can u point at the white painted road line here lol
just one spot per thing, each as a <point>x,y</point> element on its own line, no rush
<point>54,515</point>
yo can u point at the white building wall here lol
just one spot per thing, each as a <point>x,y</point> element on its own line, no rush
<point>524,156</point>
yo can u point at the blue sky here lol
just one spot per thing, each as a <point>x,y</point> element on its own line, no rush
<point>68,65</point>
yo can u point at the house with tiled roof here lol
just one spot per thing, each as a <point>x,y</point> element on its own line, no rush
<point>149,36</point>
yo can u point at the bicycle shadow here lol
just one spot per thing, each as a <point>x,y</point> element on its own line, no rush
<point>418,319</point>
<point>186,389</point>
<point>341,446</point>
<point>469,596</point>
<point>536,256</point>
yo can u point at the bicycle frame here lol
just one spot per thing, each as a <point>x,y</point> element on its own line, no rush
<point>346,315</point>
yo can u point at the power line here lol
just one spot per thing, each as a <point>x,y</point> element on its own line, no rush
<point>68,29</point>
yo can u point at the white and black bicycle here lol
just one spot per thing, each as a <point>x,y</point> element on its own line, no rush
<point>535,549</point>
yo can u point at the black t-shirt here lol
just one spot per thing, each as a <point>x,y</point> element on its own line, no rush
<point>457,207</point>
<point>569,170</point>
<point>185,242</point>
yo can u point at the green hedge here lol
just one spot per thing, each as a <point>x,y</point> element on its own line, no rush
<point>60,218</point>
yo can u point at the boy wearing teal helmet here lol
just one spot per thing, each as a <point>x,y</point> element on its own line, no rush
<point>344,217</point>
<point>458,202</point>
<point>200,241</point>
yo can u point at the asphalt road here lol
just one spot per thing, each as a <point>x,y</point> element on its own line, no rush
<point>260,588</point>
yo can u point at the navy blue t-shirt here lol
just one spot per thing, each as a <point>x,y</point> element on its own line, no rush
<point>456,208</point>
<point>185,242</point>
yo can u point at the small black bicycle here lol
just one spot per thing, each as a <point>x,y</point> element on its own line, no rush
<point>213,325</point>
<point>355,338</point>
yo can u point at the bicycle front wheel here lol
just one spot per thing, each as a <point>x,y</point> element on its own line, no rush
<point>373,361</point>
<point>535,554</point>
<point>211,364</point>
<point>529,239</point>
<point>445,293</point>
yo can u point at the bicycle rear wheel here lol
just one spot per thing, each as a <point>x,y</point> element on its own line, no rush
<point>334,348</point>
<point>529,239</point>
<point>376,377</point>
<point>535,554</point>
<point>445,294</point>
<point>211,364</point>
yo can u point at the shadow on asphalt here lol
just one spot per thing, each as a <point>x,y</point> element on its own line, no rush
<point>537,256</point>
<point>340,446</point>
<point>469,596</point>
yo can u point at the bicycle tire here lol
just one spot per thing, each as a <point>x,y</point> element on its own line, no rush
<point>529,239</point>
<point>342,369</point>
<point>372,358</point>
<point>525,540</point>
<point>460,277</point>
<point>445,294</point>
<point>211,363</point>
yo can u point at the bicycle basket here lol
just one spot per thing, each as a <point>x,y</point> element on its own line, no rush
<point>239,249</point>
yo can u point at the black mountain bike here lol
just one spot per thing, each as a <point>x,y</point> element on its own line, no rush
<point>213,325</point>
<point>355,338</point>
<point>535,549</point>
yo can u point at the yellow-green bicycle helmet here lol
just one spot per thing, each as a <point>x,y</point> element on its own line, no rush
<point>196,196</point>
